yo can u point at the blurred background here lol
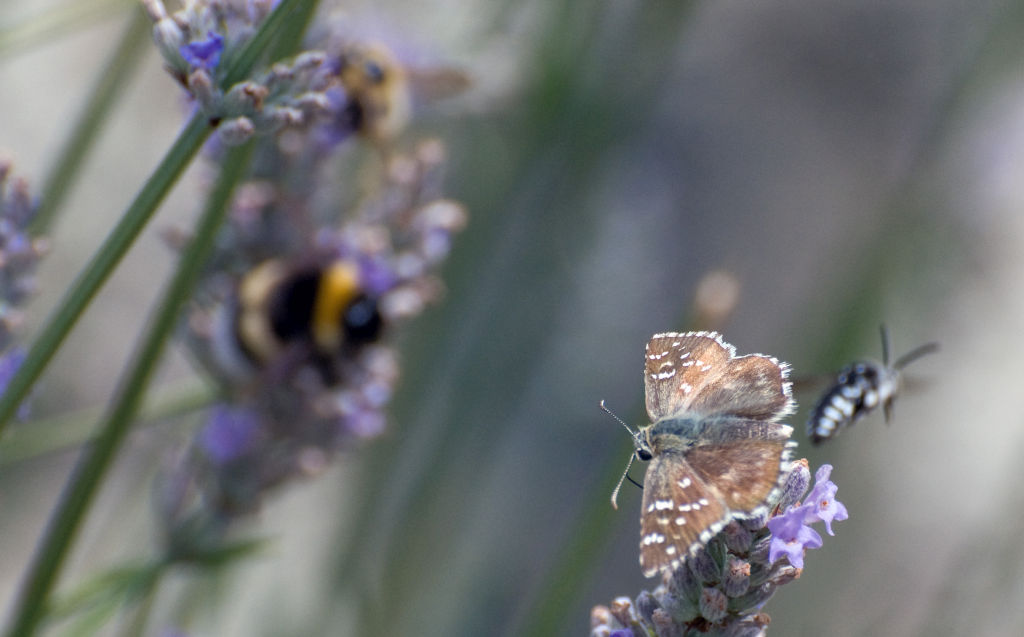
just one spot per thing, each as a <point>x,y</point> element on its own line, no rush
<point>847,163</point>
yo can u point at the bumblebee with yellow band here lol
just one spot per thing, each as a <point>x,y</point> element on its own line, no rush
<point>321,311</point>
<point>380,91</point>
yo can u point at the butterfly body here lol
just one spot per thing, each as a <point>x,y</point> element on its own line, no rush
<point>716,450</point>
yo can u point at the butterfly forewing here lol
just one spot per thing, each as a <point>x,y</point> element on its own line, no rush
<point>699,374</point>
<point>752,387</point>
<point>677,367</point>
<point>679,512</point>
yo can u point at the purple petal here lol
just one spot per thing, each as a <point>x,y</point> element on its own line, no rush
<point>203,54</point>
<point>228,433</point>
<point>823,506</point>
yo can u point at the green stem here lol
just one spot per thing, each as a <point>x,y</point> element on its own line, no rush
<point>119,66</point>
<point>82,485</point>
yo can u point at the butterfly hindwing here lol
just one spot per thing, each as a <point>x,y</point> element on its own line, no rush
<point>743,474</point>
<point>679,512</point>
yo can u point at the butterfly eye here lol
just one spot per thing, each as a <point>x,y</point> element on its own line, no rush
<point>643,454</point>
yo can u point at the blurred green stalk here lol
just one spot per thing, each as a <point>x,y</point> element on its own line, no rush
<point>43,28</point>
<point>116,71</point>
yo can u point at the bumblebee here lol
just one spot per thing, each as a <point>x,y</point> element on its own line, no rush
<point>289,314</point>
<point>859,389</point>
<point>379,90</point>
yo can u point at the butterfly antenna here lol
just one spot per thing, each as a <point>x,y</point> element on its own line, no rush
<point>615,493</point>
<point>625,474</point>
<point>619,420</point>
<point>915,354</point>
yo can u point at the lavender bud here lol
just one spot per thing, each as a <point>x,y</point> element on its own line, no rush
<point>312,103</point>
<point>736,578</point>
<point>280,76</point>
<point>308,61</point>
<point>278,117</point>
<point>237,131</point>
<point>737,537</point>
<point>663,624</point>
<point>245,98</point>
<point>169,40</point>
<point>714,605</point>
<point>623,611</point>
<point>200,84</point>
<point>683,583</point>
<point>760,549</point>
<point>155,9</point>
<point>646,604</point>
<point>704,567</point>
<point>797,481</point>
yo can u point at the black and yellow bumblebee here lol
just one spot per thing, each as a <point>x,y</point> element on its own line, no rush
<point>293,315</point>
<point>380,91</point>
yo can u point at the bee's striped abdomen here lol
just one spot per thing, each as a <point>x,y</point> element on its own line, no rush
<point>860,389</point>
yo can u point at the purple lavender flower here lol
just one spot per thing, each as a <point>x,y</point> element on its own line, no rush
<point>228,433</point>
<point>10,361</point>
<point>791,536</point>
<point>376,274</point>
<point>821,503</point>
<point>791,533</point>
<point>203,54</point>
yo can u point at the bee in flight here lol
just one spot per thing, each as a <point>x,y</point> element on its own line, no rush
<point>379,91</point>
<point>283,313</point>
<point>859,389</point>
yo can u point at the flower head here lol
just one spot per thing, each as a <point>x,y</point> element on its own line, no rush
<point>822,502</point>
<point>205,53</point>
<point>229,433</point>
<point>791,536</point>
<point>791,531</point>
